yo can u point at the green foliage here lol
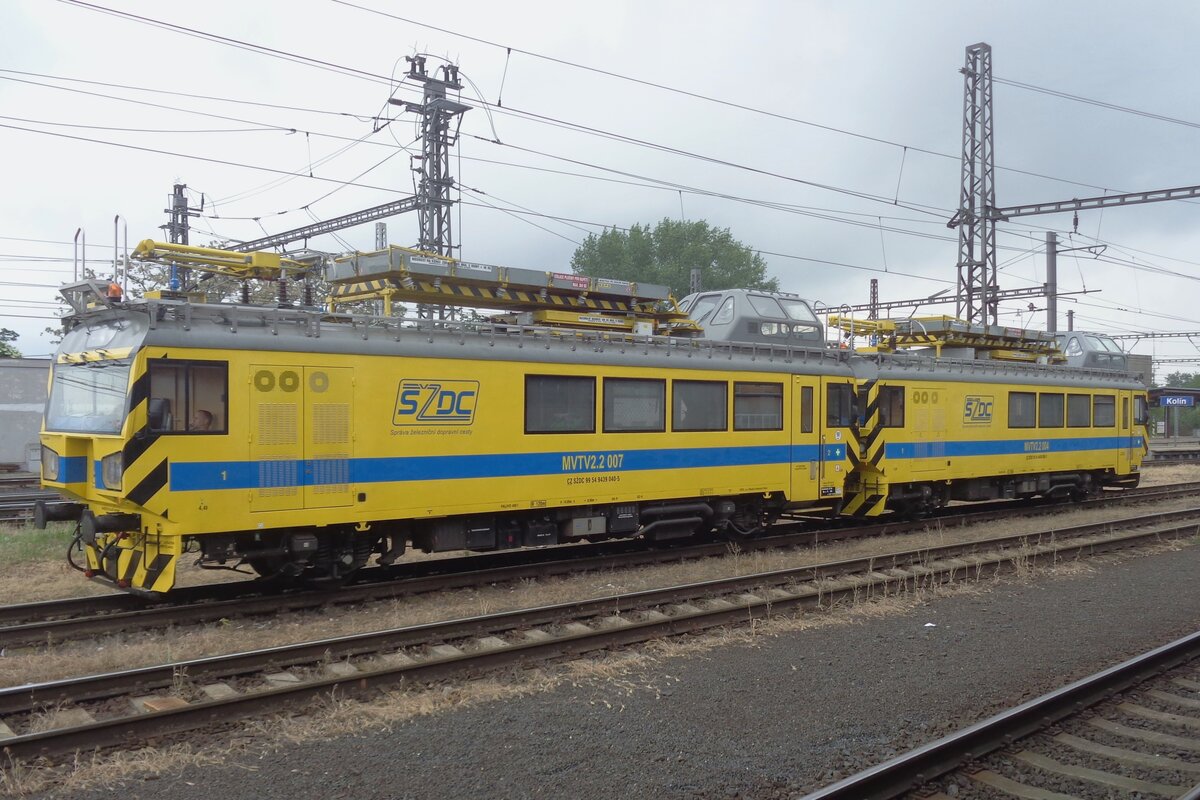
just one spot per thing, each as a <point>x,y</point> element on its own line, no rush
<point>1186,380</point>
<point>7,349</point>
<point>667,254</point>
<point>20,544</point>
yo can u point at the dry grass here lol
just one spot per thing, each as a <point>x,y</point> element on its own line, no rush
<point>648,667</point>
<point>1177,473</point>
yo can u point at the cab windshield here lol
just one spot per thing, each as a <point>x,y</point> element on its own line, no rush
<point>88,398</point>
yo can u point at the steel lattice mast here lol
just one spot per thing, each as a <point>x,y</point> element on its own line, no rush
<point>432,202</point>
<point>438,113</point>
<point>977,197</point>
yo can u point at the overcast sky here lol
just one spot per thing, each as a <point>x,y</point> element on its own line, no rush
<point>872,91</point>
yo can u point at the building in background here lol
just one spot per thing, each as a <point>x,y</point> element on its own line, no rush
<point>23,383</point>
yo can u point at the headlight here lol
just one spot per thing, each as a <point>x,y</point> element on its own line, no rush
<point>49,464</point>
<point>111,469</point>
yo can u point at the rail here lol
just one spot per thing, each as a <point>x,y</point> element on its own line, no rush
<point>56,621</point>
<point>443,649</point>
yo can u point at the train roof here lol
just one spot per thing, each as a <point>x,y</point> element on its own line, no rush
<point>121,328</point>
<point>124,327</point>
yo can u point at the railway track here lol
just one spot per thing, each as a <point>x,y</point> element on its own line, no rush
<point>17,506</point>
<point>1172,461</point>
<point>59,717</point>
<point>1082,740</point>
<point>57,621</point>
<point>19,479</point>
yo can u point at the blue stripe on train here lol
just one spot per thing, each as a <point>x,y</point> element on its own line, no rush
<point>209,475</point>
<point>1007,447</point>
<point>72,469</point>
<point>192,476</point>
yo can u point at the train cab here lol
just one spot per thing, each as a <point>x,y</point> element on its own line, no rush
<point>744,315</point>
<point>1094,350</point>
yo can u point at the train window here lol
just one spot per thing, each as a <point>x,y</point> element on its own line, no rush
<point>1104,411</point>
<point>560,404</point>
<point>797,309</point>
<point>772,328</point>
<point>758,406</point>
<point>1022,409</point>
<point>1124,413</point>
<point>1074,348</point>
<point>703,307</point>
<point>188,397</point>
<point>724,314</point>
<point>633,404</point>
<point>766,306</point>
<point>839,405</point>
<point>699,405</point>
<point>1050,411</point>
<point>1141,412</point>
<point>891,407</point>
<point>1079,411</point>
<point>806,409</point>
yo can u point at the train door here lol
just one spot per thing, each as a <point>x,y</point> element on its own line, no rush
<point>276,422</point>
<point>806,438</point>
<point>1124,433</point>
<point>837,435</point>
<point>928,411</point>
<point>329,436</point>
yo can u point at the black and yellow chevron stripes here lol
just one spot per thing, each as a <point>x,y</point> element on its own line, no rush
<point>141,562</point>
<point>146,471</point>
<point>867,497</point>
<point>865,504</point>
<point>430,292</point>
<point>870,428</point>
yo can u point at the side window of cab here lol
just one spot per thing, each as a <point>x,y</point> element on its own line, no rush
<point>188,397</point>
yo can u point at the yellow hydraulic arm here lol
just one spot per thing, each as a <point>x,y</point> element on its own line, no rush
<point>243,266</point>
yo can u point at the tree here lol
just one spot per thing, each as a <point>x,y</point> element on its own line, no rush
<point>8,350</point>
<point>667,254</point>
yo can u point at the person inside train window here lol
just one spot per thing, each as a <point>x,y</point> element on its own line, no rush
<point>201,420</point>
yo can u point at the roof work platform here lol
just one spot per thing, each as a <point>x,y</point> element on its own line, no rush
<point>533,297</point>
<point>949,336</point>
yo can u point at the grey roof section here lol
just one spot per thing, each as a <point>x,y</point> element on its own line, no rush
<point>901,366</point>
<point>1085,349</point>
<point>230,327</point>
<point>171,324</point>
<point>747,315</point>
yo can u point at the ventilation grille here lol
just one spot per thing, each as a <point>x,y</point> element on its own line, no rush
<point>331,423</point>
<point>331,474</point>
<point>277,424</point>
<point>278,477</point>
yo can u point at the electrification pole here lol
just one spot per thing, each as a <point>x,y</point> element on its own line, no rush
<point>438,113</point>
<point>976,301</point>
<point>1051,282</point>
<point>432,202</point>
<point>178,226</point>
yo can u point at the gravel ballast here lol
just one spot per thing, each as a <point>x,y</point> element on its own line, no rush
<point>775,719</point>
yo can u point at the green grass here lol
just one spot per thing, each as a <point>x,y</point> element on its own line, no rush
<point>20,544</point>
